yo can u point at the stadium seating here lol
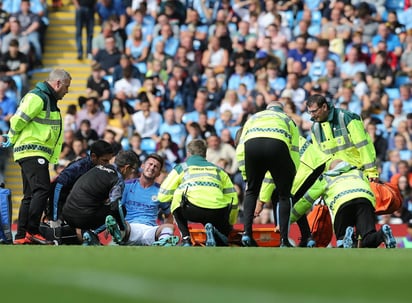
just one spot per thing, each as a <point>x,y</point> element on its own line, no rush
<point>393,93</point>
<point>233,130</point>
<point>395,5</point>
<point>313,5</point>
<point>316,17</point>
<point>399,80</point>
<point>404,17</point>
<point>287,19</point>
<point>148,145</point>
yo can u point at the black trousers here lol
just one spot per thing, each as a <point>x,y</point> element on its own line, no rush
<point>190,212</point>
<point>302,222</point>
<point>97,219</point>
<point>262,155</point>
<point>360,214</point>
<point>36,186</point>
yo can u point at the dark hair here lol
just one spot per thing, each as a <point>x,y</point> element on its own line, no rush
<point>100,148</point>
<point>122,105</point>
<point>238,135</point>
<point>110,131</point>
<point>157,157</point>
<point>71,109</point>
<point>137,135</point>
<point>94,99</point>
<point>167,134</point>
<point>381,53</point>
<point>195,125</point>
<point>14,42</point>
<point>317,99</point>
<point>127,72</point>
<point>362,75</point>
<point>142,96</point>
<point>85,121</point>
<point>126,157</point>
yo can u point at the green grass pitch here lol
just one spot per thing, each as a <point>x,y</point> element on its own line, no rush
<point>79,274</point>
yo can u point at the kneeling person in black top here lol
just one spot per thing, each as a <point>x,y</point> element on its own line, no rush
<point>96,195</point>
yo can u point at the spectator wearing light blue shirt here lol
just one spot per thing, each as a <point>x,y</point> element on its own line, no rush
<point>349,101</point>
<point>107,8</point>
<point>241,76</point>
<point>171,43</point>
<point>352,65</point>
<point>392,41</point>
<point>146,24</point>
<point>199,108</point>
<point>318,67</point>
<point>138,49</point>
<point>8,107</point>
<point>194,26</point>
<point>205,9</point>
<point>176,130</point>
<point>276,82</point>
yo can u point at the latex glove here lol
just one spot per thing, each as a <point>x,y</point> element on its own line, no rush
<point>55,224</point>
<point>6,141</point>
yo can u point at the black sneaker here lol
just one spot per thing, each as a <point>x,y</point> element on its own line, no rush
<point>248,241</point>
<point>186,242</point>
<point>285,243</point>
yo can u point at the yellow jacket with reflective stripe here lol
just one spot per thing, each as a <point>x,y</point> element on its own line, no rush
<point>337,187</point>
<point>343,136</point>
<point>204,184</point>
<point>36,127</point>
<point>270,123</point>
<point>311,159</point>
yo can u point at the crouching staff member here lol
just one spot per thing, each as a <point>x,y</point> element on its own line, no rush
<point>101,152</point>
<point>97,194</point>
<point>348,195</point>
<point>201,192</point>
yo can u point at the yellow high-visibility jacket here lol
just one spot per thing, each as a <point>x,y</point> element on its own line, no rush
<point>343,136</point>
<point>270,123</point>
<point>337,187</point>
<point>203,183</point>
<point>36,127</point>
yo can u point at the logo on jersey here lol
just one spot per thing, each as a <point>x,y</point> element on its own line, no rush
<point>154,198</point>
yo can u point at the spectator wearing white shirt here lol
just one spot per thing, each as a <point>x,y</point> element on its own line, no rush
<point>231,103</point>
<point>145,121</point>
<point>129,85</point>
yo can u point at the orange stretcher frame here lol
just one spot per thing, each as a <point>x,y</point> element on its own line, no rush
<point>264,236</point>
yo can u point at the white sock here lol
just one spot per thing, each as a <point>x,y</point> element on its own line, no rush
<point>166,233</point>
